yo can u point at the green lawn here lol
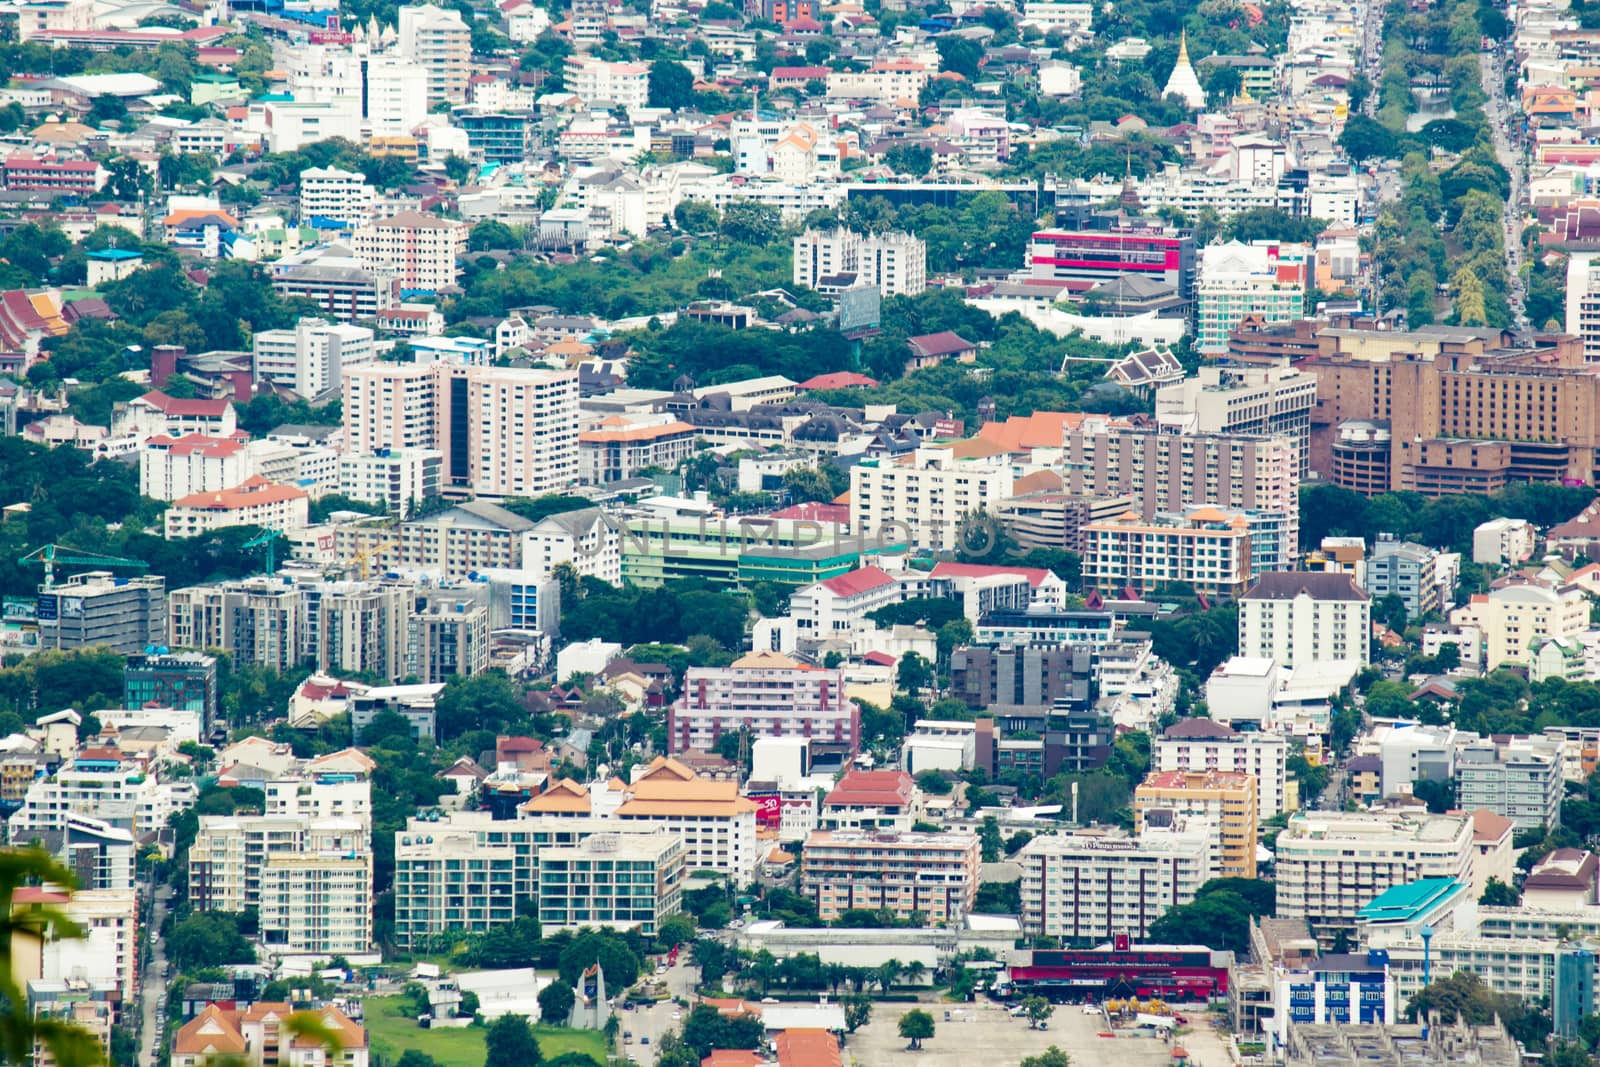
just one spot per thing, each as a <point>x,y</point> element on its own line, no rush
<point>391,1031</point>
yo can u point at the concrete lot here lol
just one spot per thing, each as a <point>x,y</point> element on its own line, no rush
<point>983,1035</point>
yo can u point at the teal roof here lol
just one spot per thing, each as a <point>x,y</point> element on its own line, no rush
<point>1407,903</point>
<point>114,254</point>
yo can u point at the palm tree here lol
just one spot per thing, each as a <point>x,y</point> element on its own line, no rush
<point>834,974</point>
<point>886,974</point>
<point>915,970</point>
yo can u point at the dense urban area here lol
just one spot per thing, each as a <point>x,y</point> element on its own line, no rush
<point>799,533</point>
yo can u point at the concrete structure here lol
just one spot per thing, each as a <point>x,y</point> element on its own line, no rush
<point>446,881</point>
<point>313,357</point>
<point>1517,778</point>
<point>935,874</point>
<point>1197,745</point>
<point>925,499</point>
<point>95,608</point>
<point>615,881</point>
<point>1099,885</point>
<point>1331,864</point>
<point>1514,618</point>
<point>173,467</point>
<point>1302,619</point>
<point>836,608</point>
<point>1207,548</point>
<point>767,694</point>
<point>420,250</point>
<point>1239,280</point>
<point>334,195</point>
<point>1223,801</point>
<point>503,431</point>
<point>254,502</point>
<point>718,826</point>
<point>602,85</point>
<point>398,480</point>
<point>896,264</point>
<point>1412,572</point>
<point>1503,542</point>
<point>441,43</point>
<point>1242,400</point>
<point>183,681</point>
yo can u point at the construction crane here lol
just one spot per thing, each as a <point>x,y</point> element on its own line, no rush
<point>267,538</point>
<point>361,559</point>
<point>65,555</point>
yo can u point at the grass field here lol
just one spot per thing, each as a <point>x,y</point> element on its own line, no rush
<point>391,1031</point>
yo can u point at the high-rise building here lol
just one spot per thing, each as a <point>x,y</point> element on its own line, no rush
<point>1518,779</point>
<point>186,681</point>
<point>397,96</point>
<point>1207,548</point>
<point>768,694</point>
<point>1262,279</point>
<point>334,195</point>
<point>925,499</point>
<point>1098,885</point>
<point>421,250</point>
<point>396,479</point>
<point>1301,618</point>
<point>331,277</point>
<point>503,431</point>
<point>1515,618</point>
<point>1225,800</point>
<point>614,881</point>
<point>602,85</point>
<point>1195,746</point>
<point>440,42</point>
<point>896,264</point>
<point>95,608</point>
<point>1242,400</point>
<point>445,881</point>
<point>935,874</point>
<point>1329,865</point>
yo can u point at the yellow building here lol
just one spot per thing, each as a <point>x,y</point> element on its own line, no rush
<point>1226,799</point>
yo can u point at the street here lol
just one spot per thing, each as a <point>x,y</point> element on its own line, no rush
<point>656,1020</point>
<point>1499,112</point>
<point>153,982</point>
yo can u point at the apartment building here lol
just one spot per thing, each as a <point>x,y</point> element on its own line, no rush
<point>935,874</point>
<point>312,358</point>
<point>1503,541</point>
<point>421,251</point>
<point>1331,864</point>
<point>603,86</point>
<point>1196,746</point>
<point>446,882</point>
<point>439,41</point>
<point>448,636</point>
<point>1262,279</point>
<point>717,825</point>
<point>1414,573</point>
<point>767,694</point>
<point>106,955</point>
<point>331,277</point>
<point>396,480</point>
<point>613,881</point>
<point>334,195</point>
<point>95,608</point>
<point>925,500</point>
<point>1301,618</point>
<point>319,905</point>
<point>1242,400</point>
<point>184,681</point>
<point>588,540</point>
<point>1171,471</point>
<point>397,96</point>
<point>836,607</point>
<point>1024,674</point>
<point>1225,801</point>
<point>1208,548</point>
<point>253,502</point>
<point>102,784</point>
<point>173,467</point>
<point>886,81</point>
<point>1100,885</point>
<point>896,264</point>
<point>1514,619</point>
<point>621,448</point>
<point>230,853</point>
<point>1517,778</point>
<point>503,431</point>
<point>257,1037</point>
<point>471,537</point>
<point>257,619</point>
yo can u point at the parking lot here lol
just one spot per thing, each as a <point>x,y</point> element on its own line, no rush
<point>984,1030</point>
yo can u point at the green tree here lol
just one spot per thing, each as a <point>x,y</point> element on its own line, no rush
<point>959,56</point>
<point>510,1040</point>
<point>908,158</point>
<point>1050,1057</point>
<point>671,85</point>
<point>751,223</point>
<point>696,216</point>
<point>1363,139</point>
<point>1038,1010</point>
<point>555,1003</point>
<point>619,962</point>
<point>208,939</point>
<point>857,1012</point>
<point>1496,894</point>
<point>916,1025</point>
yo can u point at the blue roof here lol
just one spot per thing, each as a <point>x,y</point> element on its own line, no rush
<point>115,253</point>
<point>1406,903</point>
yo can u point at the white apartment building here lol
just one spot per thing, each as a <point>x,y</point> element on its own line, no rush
<point>1330,864</point>
<point>718,826</point>
<point>1207,548</point>
<point>316,904</point>
<point>108,951</point>
<point>341,196</point>
<point>1242,400</point>
<point>397,96</point>
<point>612,881</point>
<point>1100,884</point>
<point>589,540</point>
<point>896,264</point>
<point>1515,618</point>
<point>173,467</point>
<point>441,43</point>
<point>310,795</point>
<point>395,479</point>
<point>604,85</point>
<point>254,502</point>
<point>421,250</point>
<point>1519,779</point>
<point>886,81</point>
<point>121,793</point>
<point>1583,301</point>
<point>230,853</point>
<point>1198,745</point>
<point>1236,280</point>
<point>836,607</point>
<point>311,358</point>
<point>924,501</point>
<point>1503,541</point>
<point>446,882</point>
<point>768,694</point>
<point>391,407</point>
<point>1304,618</point>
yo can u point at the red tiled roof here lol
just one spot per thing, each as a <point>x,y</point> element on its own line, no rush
<point>859,581</point>
<point>842,379</point>
<point>171,405</point>
<point>872,789</point>
<point>196,443</point>
<point>1035,575</point>
<point>943,343</point>
<point>814,512</point>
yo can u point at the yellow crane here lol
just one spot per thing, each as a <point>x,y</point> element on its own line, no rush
<point>361,559</point>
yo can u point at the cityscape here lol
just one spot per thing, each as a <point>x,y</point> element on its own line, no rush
<point>799,533</point>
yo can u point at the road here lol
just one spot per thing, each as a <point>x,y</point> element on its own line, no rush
<point>152,981</point>
<point>1500,120</point>
<point>654,1021</point>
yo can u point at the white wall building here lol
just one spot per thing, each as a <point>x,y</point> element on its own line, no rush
<point>1096,885</point>
<point>397,479</point>
<point>1301,619</point>
<point>336,195</point>
<point>312,358</point>
<point>1199,745</point>
<point>924,501</point>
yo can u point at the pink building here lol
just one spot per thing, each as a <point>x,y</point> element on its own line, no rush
<point>771,695</point>
<point>421,249</point>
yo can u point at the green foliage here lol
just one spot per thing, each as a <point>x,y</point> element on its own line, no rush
<point>1050,1057</point>
<point>670,85</point>
<point>619,962</point>
<point>916,1026</point>
<point>673,612</point>
<point>555,1003</point>
<point>1496,894</point>
<point>1463,996</point>
<point>711,355</point>
<point>1218,917</point>
<point>706,1029</point>
<point>1446,522</point>
<point>510,1040</point>
<point>208,939</point>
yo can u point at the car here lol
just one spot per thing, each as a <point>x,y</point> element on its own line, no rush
<point>644,1040</point>
<point>1016,1012</point>
<point>1091,1009</point>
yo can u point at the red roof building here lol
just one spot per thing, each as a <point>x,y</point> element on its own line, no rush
<point>890,791</point>
<point>842,379</point>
